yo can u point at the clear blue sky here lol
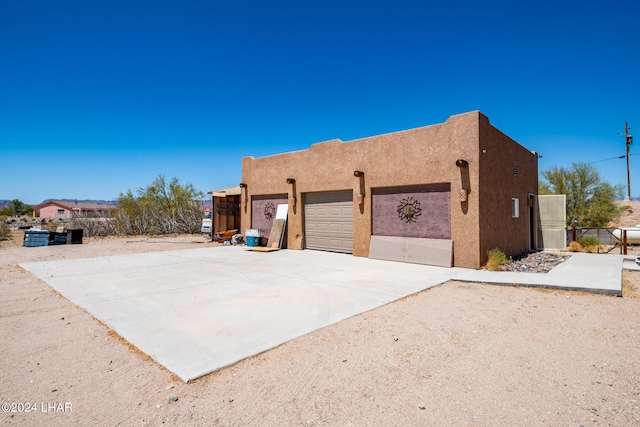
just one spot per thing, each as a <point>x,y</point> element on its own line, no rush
<point>99,97</point>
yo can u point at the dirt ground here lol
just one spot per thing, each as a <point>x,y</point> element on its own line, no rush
<point>456,355</point>
<point>630,215</point>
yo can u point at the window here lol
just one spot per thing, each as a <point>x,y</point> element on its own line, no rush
<point>515,208</point>
<point>60,211</point>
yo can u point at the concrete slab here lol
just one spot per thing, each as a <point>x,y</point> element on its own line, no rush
<point>196,311</point>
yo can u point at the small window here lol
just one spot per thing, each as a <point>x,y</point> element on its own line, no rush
<point>60,211</point>
<point>515,208</point>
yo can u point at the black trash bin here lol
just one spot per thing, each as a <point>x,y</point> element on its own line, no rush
<point>57,238</point>
<point>74,236</point>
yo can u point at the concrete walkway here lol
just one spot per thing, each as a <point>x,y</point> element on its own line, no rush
<point>596,273</point>
<point>195,311</point>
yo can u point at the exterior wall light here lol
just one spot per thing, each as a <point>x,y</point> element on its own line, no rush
<point>461,163</point>
<point>360,174</point>
<point>243,189</point>
<point>292,181</point>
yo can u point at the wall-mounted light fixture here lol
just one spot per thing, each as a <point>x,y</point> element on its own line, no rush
<point>243,190</point>
<point>292,181</point>
<point>360,174</point>
<point>461,163</point>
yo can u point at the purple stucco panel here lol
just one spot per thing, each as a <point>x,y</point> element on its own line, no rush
<point>263,211</point>
<point>412,211</point>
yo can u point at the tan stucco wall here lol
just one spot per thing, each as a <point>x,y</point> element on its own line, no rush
<point>419,156</point>
<point>498,186</point>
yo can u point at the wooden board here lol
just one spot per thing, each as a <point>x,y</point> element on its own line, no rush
<point>261,249</point>
<point>277,231</point>
<point>278,227</point>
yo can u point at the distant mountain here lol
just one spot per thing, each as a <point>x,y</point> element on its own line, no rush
<point>102,202</point>
<point>4,203</point>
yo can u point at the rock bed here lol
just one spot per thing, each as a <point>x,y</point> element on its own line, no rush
<point>538,262</point>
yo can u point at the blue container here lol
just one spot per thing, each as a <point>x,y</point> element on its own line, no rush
<point>33,238</point>
<point>252,240</point>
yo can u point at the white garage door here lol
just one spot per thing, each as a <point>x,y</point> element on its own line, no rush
<point>329,221</point>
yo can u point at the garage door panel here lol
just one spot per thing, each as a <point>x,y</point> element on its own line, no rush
<point>329,221</point>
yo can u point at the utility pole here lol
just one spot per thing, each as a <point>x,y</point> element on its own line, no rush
<point>629,140</point>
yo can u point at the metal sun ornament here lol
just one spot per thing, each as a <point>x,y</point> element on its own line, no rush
<point>270,211</point>
<point>409,210</point>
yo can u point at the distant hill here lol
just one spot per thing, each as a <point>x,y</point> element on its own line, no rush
<point>4,203</point>
<point>103,202</point>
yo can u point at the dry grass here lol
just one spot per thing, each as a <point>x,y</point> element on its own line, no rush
<point>574,247</point>
<point>630,283</point>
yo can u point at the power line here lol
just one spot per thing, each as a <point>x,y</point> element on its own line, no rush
<point>613,158</point>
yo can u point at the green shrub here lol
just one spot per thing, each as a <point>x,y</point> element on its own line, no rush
<point>589,241</point>
<point>591,244</point>
<point>496,259</point>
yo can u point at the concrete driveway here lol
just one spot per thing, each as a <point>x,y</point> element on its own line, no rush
<point>195,311</point>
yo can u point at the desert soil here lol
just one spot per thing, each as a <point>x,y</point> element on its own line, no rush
<point>458,354</point>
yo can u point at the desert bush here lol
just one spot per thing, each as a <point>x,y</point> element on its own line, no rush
<point>5,231</point>
<point>160,208</point>
<point>589,241</point>
<point>574,247</point>
<point>591,244</point>
<point>93,226</point>
<point>496,259</point>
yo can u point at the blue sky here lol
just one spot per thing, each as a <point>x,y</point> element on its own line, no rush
<point>98,97</point>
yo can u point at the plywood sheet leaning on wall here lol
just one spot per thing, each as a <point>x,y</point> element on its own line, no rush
<point>277,230</point>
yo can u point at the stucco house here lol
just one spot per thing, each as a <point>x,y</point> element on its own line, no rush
<point>59,209</point>
<point>443,194</point>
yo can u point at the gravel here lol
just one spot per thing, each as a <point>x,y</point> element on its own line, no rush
<point>538,262</point>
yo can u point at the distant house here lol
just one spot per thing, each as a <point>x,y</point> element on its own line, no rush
<point>59,209</point>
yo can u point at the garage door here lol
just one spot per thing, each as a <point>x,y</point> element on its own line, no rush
<point>329,221</point>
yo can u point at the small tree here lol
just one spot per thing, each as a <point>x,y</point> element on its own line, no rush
<point>160,208</point>
<point>590,200</point>
<point>18,208</point>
